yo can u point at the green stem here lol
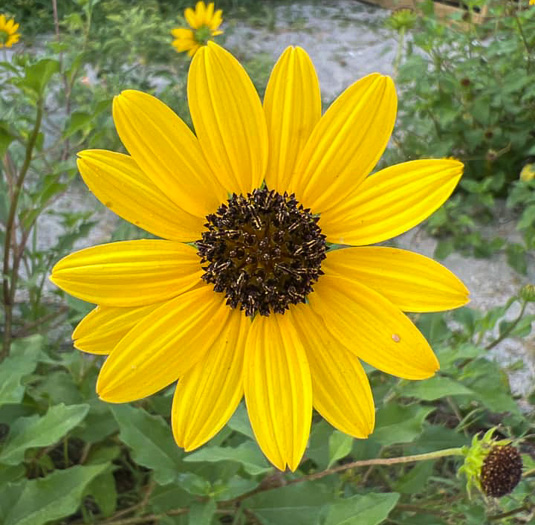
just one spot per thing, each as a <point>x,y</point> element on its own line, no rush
<point>382,461</point>
<point>9,285</point>
<point>401,42</point>
<point>523,38</point>
<point>509,329</point>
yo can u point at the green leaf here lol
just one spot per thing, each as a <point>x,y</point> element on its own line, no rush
<point>164,498</point>
<point>194,484</point>
<point>340,446</point>
<point>78,121</point>
<point>6,138</point>
<point>415,480</point>
<point>318,444</point>
<point>399,424</point>
<point>36,431</point>
<point>247,454</point>
<point>56,496</point>
<point>37,75</point>
<point>20,363</point>
<point>11,473</point>
<point>370,509</point>
<point>201,513</point>
<point>297,504</point>
<point>151,441</point>
<point>103,490</point>
<point>434,388</point>
<point>239,422</point>
<point>517,257</point>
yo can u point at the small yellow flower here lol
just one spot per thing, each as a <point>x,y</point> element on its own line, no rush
<point>248,296</point>
<point>528,171</point>
<point>204,23</point>
<point>531,2</point>
<point>8,32</point>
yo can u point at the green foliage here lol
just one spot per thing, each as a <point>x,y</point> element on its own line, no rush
<point>67,457</point>
<point>467,91</point>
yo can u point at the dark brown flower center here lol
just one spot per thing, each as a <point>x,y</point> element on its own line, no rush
<point>263,251</point>
<point>501,471</point>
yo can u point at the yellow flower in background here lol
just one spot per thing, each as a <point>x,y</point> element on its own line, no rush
<point>8,32</point>
<point>531,2</point>
<point>263,304</point>
<point>528,172</point>
<point>204,23</point>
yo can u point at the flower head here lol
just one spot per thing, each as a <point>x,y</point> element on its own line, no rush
<point>262,304</point>
<point>8,32</point>
<point>494,467</point>
<point>204,23</point>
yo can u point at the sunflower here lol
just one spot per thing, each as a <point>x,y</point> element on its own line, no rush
<point>257,289</point>
<point>204,23</point>
<point>8,32</point>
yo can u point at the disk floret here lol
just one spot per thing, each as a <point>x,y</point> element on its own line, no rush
<point>263,250</point>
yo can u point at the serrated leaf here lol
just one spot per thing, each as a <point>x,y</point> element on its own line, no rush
<point>340,446</point>
<point>20,363</point>
<point>247,454</point>
<point>56,496</point>
<point>151,441</point>
<point>36,431</point>
<point>370,509</point>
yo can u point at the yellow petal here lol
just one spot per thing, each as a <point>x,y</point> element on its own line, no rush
<point>100,330</point>
<point>167,151</point>
<point>373,328</point>
<point>200,12</point>
<point>346,143</point>
<point>119,184</point>
<point>129,273</point>
<point>216,21</point>
<point>163,346</point>
<point>410,281</point>
<point>228,119</point>
<point>193,49</point>
<point>278,390</point>
<point>191,18</point>
<point>341,390</point>
<point>208,14</point>
<point>392,201</point>
<point>184,39</point>
<point>292,105</point>
<point>208,394</point>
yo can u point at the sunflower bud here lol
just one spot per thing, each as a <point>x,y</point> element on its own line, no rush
<point>402,20</point>
<point>527,293</point>
<point>494,467</point>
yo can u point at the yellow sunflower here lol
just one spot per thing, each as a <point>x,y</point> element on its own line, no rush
<point>204,23</point>
<point>258,290</point>
<point>8,32</point>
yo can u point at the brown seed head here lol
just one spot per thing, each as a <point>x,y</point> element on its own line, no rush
<point>502,471</point>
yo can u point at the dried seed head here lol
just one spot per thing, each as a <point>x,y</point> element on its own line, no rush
<point>263,251</point>
<point>501,471</point>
